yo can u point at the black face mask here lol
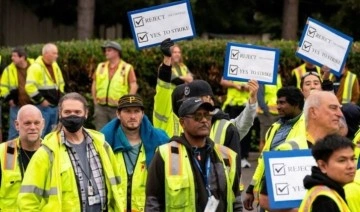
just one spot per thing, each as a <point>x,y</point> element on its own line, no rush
<point>73,123</point>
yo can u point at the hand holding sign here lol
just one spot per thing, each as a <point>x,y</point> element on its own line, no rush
<point>152,25</point>
<point>285,171</point>
<point>244,62</point>
<point>253,89</point>
<point>248,201</point>
<point>165,47</point>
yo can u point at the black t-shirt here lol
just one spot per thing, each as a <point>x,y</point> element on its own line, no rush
<point>201,156</point>
<point>25,157</point>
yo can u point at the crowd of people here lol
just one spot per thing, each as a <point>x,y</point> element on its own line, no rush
<point>190,157</point>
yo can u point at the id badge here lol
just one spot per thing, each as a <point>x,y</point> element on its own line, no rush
<point>212,204</point>
<point>94,199</point>
<point>90,190</point>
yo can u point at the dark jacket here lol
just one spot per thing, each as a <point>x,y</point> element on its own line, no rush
<point>155,186</point>
<point>323,203</point>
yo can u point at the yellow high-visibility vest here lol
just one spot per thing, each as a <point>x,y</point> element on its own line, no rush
<point>50,182</point>
<point>179,185</point>
<point>234,97</point>
<point>10,175</point>
<point>321,190</point>
<point>296,139</point>
<point>138,181</point>
<point>109,91</point>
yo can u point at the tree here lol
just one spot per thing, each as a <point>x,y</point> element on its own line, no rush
<point>290,19</point>
<point>85,19</point>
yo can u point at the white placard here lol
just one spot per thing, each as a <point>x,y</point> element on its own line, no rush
<point>285,172</point>
<point>322,45</point>
<point>244,62</point>
<point>150,26</point>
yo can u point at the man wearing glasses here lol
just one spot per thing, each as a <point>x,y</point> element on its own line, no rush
<point>199,175</point>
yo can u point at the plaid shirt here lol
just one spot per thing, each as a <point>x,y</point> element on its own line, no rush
<point>95,166</point>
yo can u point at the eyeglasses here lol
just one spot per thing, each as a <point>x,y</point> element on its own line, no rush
<point>199,116</point>
<point>310,73</point>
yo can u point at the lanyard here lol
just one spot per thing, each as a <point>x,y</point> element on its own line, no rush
<point>206,175</point>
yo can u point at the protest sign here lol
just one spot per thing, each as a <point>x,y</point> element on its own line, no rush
<point>244,62</point>
<point>323,45</point>
<point>285,172</point>
<point>152,25</point>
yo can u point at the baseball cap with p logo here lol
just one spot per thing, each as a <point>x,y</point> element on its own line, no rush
<point>130,100</point>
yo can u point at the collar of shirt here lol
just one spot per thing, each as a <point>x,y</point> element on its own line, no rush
<point>64,141</point>
<point>290,121</point>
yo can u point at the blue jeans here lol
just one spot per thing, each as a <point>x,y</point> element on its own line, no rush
<point>13,133</point>
<point>50,115</point>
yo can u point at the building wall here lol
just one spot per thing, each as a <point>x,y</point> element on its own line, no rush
<point>19,26</point>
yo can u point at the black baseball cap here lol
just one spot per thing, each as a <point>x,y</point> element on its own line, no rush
<point>192,104</point>
<point>198,88</point>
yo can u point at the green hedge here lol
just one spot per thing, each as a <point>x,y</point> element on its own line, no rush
<point>78,60</point>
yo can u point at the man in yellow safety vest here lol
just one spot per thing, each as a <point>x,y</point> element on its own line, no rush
<point>15,155</point>
<point>192,173</point>
<point>111,80</point>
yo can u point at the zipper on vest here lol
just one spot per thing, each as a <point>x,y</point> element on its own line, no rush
<point>107,92</point>
<point>129,182</point>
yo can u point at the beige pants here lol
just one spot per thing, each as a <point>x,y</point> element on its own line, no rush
<point>103,115</point>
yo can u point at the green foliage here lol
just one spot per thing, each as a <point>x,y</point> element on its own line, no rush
<point>78,61</point>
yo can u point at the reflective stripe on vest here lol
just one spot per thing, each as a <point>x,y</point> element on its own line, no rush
<point>164,84</point>
<point>160,117</point>
<point>218,131</point>
<point>11,175</point>
<point>179,182</point>
<point>38,191</point>
<point>177,126</point>
<point>225,155</point>
<point>349,82</point>
<point>313,193</point>
<point>228,157</point>
<point>10,156</point>
<point>288,145</point>
<point>175,158</point>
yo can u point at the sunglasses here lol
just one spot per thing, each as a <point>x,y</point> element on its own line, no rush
<point>310,73</point>
<point>199,116</point>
